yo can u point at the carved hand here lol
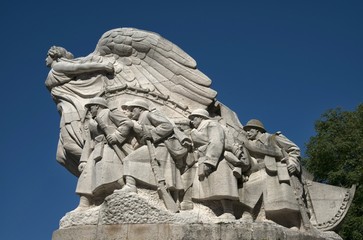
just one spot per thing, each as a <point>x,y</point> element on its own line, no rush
<point>243,136</point>
<point>146,135</point>
<point>111,139</point>
<point>187,143</point>
<point>285,160</point>
<point>237,150</point>
<point>207,169</point>
<point>109,68</point>
<point>291,167</point>
<point>81,166</point>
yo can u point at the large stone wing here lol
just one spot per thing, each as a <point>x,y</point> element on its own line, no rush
<point>148,61</point>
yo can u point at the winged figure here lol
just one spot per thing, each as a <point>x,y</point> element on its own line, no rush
<point>146,60</point>
<point>129,65</point>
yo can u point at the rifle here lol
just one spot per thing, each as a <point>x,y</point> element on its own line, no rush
<point>295,183</point>
<point>160,182</point>
<point>86,150</point>
<point>107,131</point>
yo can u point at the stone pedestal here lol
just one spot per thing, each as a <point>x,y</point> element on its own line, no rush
<point>143,216</point>
<point>225,231</point>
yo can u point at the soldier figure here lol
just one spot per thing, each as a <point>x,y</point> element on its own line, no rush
<point>215,179</point>
<point>101,161</point>
<point>268,191</point>
<point>150,126</point>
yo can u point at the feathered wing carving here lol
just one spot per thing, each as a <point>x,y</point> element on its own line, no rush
<point>146,60</point>
<point>142,60</point>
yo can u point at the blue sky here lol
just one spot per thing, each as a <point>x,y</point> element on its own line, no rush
<point>283,62</point>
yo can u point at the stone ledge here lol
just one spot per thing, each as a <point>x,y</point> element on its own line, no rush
<point>225,231</point>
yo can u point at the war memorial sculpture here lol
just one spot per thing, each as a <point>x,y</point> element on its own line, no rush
<point>157,156</point>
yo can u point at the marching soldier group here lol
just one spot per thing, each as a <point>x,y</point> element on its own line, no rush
<point>139,147</point>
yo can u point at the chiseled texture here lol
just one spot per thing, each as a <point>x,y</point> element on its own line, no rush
<point>132,209</point>
<point>143,208</point>
<point>141,216</point>
<point>167,231</point>
<point>130,64</point>
<point>146,59</point>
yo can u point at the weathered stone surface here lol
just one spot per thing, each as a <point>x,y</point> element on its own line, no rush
<point>88,217</point>
<point>200,231</point>
<point>139,216</point>
<point>137,114</point>
<point>142,208</point>
<point>131,208</point>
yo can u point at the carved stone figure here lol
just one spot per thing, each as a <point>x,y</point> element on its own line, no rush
<point>268,190</point>
<point>215,179</point>
<point>139,167</point>
<point>72,82</point>
<point>101,164</point>
<point>136,115</point>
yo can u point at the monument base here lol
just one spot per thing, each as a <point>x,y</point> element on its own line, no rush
<point>143,216</point>
<point>225,231</point>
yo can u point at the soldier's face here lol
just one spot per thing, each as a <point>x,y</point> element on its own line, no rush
<point>252,133</point>
<point>128,113</point>
<point>93,109</point>
<point>196,121</point>
<point>135,113</point>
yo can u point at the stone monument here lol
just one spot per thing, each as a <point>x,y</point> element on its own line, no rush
<point>157,156</point>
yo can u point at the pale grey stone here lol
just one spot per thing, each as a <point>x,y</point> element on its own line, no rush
<point>166,231</point>
<point>143,131</point>
<point>80,218</point>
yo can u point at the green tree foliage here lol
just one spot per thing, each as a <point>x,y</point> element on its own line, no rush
<point>335,156</point>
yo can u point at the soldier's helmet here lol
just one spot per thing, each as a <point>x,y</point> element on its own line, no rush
<point>125,105</point>
<point>199,113</point>
<point>97,101</point>
<point>254,123</point>
<point>137,103</point>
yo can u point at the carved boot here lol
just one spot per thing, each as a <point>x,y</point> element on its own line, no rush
<point>130,185</point>
<point>121,182</point>
<point>261,216</point>
<point>84,203</point>
<point>187,203</point>
<point>228,212</point>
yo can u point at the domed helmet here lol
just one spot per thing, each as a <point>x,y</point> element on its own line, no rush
<point>137,103</point>
<point>254,123</point>
<point>125,105</point>
<point>199,113</point>
<point>97,101</point>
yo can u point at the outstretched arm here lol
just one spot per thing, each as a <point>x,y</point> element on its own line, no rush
<point>78,68</point>
<point>293,151</point>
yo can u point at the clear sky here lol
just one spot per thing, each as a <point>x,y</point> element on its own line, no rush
<point>283,62</point>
